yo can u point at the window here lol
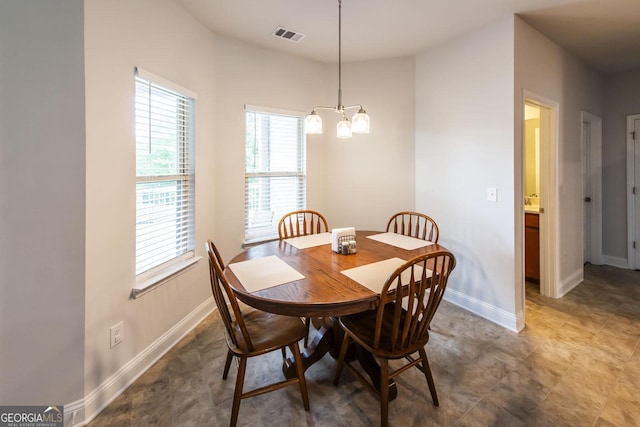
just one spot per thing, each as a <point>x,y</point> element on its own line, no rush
<point>275,170</point>
<point>165,175</point>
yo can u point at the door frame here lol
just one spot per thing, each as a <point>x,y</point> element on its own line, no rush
<point>631,208</point>
<point>595,178</point>
<point>549,219</point>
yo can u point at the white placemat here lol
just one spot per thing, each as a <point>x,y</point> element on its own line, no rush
<point>261,273</point>
<point>304,242</point>
<point>374,275</point>
<point>400,241</point>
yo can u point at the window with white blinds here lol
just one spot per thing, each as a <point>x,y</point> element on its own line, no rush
<point>165,175</point>
<point>275,170</point>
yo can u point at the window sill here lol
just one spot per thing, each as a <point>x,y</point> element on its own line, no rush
<point>162,277</point>
<point>253,242</point>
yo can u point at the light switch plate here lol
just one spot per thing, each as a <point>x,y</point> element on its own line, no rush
<point>492,194</point>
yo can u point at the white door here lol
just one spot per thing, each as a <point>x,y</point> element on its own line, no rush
<point>586,188</point>
<point>591,138</point>
<point>633,125</point>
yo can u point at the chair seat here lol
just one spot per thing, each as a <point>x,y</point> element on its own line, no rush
<point>253,334</point>
<point>359,326</point>
<point>268,332</point>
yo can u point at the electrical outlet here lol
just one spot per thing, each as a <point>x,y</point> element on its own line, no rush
<point>492,194</point>
<point>117,333</point>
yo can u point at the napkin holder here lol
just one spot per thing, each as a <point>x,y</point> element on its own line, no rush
<point>343,240</point>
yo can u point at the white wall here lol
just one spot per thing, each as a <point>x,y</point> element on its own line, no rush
<point>370,177</point>
<point>226,74</point>
<point>544,68</point>
<point>621,98</point>
<point>162,38</point>
<point>246,74</point>
<point>42,163</point>
<point>357,182</point>
<point>464,144</point>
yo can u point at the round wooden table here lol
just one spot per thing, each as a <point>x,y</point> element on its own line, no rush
<point>323,292</point>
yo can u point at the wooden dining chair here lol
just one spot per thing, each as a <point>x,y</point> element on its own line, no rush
<point>253,334</point>
<point>399,327</point>
<point>414,224</point>
<point>302,223</point>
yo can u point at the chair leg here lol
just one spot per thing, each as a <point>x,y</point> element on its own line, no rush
<point>237,395</point>
<point>384,392</point>
<point>343,353</point>
<point>302,382</point>
<point>227,364</point>
<point>428,376</point>
<point>307,327</point>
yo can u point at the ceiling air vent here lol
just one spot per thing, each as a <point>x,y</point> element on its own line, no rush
<point>287,34</point>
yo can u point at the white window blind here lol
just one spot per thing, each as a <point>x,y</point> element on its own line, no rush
<point>275,170</point>
<point>165,176</point>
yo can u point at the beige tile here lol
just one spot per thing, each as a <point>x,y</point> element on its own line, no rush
<point>614,349</point>
<point>574,408</point>
<point>621,325</point>
<point>538,419</point>
<point>601,422</point>
<point>621,409</point>
<point>518,394</point>
<point>486,413</point>
<point>588,380</point>
<point>576,363</point>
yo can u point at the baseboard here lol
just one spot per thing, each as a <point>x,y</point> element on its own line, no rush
<point>615,261</point>
<point>74,414</point>
<point>496,315</point>
<point>79,413</point>
<point>565,286</point>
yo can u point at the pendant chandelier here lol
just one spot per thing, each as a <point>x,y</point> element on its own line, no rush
<point>313,122</point>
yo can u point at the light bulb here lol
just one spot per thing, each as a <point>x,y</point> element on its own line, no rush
<point>360,122</point>
<point>344,128</point>
<point>313,124</point>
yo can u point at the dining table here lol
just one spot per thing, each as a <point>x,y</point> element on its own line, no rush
<point>303,276</point>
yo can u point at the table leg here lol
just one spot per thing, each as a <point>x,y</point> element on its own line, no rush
<point>328,339</point>
<point>322,344</point>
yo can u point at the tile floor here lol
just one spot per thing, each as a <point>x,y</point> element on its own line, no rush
<point>577,363</point>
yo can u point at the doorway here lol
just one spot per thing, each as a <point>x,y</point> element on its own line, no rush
<point>532,195</point>
<point>633,191</point>
<point>586,189</point>
<point>591,147</point>
<point>540,192</point>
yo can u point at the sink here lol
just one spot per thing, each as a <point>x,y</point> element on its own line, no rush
<point>532,208</point>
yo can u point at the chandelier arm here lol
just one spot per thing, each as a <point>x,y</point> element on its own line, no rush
<point>347,107</point>
<point>324,108</point>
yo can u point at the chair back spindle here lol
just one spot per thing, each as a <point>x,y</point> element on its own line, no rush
<point>301,223</point>
<point>414,224</point>
<point>414,292</point>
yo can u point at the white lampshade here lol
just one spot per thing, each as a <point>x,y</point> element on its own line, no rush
<point>344,128</point>
<point>313,123</point>
<point>360,122</point>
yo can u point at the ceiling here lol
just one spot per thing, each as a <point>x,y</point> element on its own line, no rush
<point>603,33</point>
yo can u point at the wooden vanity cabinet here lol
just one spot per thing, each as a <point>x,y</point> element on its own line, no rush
<point>532,247</point>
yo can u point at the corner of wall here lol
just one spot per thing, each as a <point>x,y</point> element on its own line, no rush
<point>490,312</point>
<point>83,411</point>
